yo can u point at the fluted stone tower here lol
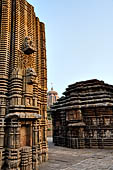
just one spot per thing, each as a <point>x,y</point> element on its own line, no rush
<point>23,87</point>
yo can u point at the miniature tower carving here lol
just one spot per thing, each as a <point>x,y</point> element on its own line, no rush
<point>23,87</point>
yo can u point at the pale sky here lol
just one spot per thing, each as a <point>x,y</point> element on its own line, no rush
<point>79,40</point>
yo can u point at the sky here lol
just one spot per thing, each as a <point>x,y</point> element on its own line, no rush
<point>79,40</point>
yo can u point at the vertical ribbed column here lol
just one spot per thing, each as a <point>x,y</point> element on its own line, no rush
<point>35,95</point>
<point>0,15</point>
<point>3,103</point>
<point>5,28</point>
<point>35,146</point>
<point>14,34</point>
<point>38,70</point>
<point>33,31</point>
<point>43,68</point>
<point>17,32</point>
<point>43,91</point>
<point>13,145</point>
<point>22,24</point>
<point>5,25</point>
<point>38,62</point>
<point>12,40</point>
<point>26,158</point>
<point>15,89</point>
<point>38,58</point>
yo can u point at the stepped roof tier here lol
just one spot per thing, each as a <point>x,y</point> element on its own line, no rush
<point>83,117</point>
<point>90,93</point>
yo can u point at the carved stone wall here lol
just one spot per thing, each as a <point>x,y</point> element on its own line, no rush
<point>83,118</point>
<point>23,87</point>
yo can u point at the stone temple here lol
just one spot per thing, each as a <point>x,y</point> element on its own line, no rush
<point>83,117</point>
<point>52,97</point>
<point>23,87</point>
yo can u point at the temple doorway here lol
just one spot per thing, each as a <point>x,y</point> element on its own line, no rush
<point>25,135</point>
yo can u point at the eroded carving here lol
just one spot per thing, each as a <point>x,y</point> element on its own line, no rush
<point>28,46</point>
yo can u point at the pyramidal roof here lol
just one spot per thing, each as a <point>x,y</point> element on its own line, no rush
<point>90,93</point>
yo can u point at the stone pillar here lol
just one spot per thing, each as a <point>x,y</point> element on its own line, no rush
<point>12,147</point>
<point>26,158</point>
<point>3,111</point>
<point>35,146</point>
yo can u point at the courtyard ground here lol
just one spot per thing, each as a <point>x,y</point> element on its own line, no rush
<point>61,158</point>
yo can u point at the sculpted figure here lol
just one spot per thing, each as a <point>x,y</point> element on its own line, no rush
<point>31,75</point>
<point>28,47</point>
<point>28,42</point>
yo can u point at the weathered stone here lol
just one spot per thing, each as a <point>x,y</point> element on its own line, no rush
<point>23,87</point>
<point>83,118</point>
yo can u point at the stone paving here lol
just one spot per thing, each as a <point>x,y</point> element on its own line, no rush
<point>61,158</point>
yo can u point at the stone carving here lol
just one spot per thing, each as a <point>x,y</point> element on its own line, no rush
<point>86,108</point>
<point>28,47</point>
<point>31,76</point>
<point>23,88</point>
<point>25,61</point>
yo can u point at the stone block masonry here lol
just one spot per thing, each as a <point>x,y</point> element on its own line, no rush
<point>83,117</point>
<point>23,87</point>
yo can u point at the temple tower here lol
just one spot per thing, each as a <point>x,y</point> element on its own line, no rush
<point>52,97</point>
<point>23,87</point>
